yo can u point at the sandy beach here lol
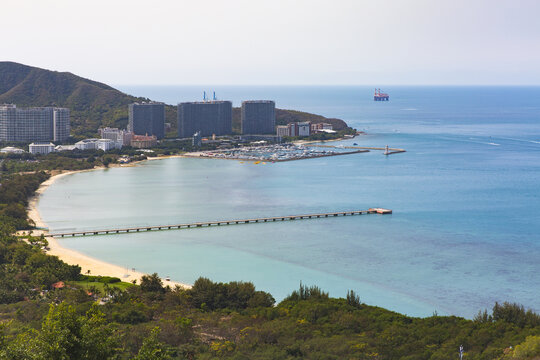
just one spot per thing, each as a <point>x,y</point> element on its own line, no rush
<point>87,263</point>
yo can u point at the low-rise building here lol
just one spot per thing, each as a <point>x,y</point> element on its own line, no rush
<point>107,144</point>
<point>143,141</point>
<point>266,138</point>
<point>320,126</point>
<point>98,144</point>
<point>11,150</point>
<point>294,129</point>
<point>282,130</point>
<point>301,128</point>
<point>65,148</point>
<point>123,137</point>
<point>41,148</point>
<point>87,144</point>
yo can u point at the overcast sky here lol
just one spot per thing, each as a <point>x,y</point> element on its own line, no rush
<point>375,42</point>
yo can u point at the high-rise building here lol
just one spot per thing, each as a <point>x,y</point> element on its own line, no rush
<point>60,124</point>
<point>258,117</point>
<point>147,118</point>
<point>208,117</point>
<point>33,124</point>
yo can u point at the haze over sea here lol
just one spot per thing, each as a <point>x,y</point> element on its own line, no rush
<point>465,195</point>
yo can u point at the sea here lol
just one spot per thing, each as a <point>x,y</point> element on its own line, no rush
<point>465,228</point>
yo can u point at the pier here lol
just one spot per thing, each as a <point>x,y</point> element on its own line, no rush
<point>220,223</point>
<point>387,150</point>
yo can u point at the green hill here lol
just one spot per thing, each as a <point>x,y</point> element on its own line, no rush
<point>94,104</point>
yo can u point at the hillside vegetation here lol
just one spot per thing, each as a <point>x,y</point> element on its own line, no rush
<point>94,104</point>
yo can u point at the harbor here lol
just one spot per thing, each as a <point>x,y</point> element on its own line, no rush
<point>286,152</point>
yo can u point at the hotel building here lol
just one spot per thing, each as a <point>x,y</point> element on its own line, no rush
<point>33,124</point>
<point>147,118</point>
<point>208,117</point>
<point>258,117</point>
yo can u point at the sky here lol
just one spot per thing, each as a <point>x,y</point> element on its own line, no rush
<point>278,42</point>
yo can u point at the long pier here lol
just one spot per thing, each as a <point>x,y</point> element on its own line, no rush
<point>220,223</point>
<point>390,150</point>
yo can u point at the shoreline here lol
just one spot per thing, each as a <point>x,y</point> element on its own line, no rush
<point>90,265</point>
<point>73,257</point>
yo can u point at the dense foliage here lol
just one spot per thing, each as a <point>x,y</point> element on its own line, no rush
<point>14,193</point>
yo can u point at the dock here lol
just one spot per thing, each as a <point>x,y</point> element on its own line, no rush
<point>220,223</point>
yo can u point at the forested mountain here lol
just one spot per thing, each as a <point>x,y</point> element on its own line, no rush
<point>92,104</point>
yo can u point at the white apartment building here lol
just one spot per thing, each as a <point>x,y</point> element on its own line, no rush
<point>87,144</point>
<point>41,148</point>
<point>123,137</point>
<point>11,150</point>
<point>107,144</point>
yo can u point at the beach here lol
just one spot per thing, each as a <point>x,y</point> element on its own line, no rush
<point>89,265</point>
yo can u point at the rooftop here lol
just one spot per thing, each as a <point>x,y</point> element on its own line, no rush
<point>206,102</point>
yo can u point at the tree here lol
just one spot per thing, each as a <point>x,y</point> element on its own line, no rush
<point>153,349</point>
<point>106,161</point>
<point>353,299</point>
<point>99,341</point>
<point>152,283</point>
<point>64,335</point>
<point>23,347</point>
<point>60,336</point>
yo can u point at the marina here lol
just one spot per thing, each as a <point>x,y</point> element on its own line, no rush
<point>277,153</point>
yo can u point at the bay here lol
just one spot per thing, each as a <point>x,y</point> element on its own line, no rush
<point>465,197</point>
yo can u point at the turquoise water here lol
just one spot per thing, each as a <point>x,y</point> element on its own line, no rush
<point>465,195</point>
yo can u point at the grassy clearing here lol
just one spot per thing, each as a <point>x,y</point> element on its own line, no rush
<point>101,286</point>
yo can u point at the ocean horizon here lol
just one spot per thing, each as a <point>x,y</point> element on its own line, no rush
<point>464,232</point>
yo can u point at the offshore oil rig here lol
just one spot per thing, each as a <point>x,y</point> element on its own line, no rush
<point>379,96</point>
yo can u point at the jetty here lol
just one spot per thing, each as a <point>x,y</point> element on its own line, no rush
<point>220,223</point>
<point>387,150</point>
